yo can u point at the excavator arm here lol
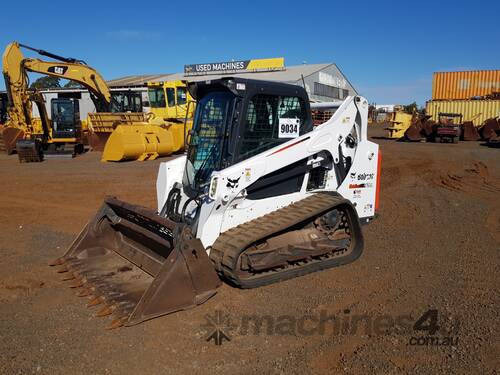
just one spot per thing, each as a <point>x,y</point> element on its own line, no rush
<point>16,84</point>
<point>66,68</point>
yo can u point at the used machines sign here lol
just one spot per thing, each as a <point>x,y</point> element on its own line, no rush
<point>277,63</point>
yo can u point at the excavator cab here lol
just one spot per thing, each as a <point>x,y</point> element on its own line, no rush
<point>3,108</point>
<point>65,118</point>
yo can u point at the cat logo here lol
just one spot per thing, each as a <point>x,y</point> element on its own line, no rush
<point>61,70</point>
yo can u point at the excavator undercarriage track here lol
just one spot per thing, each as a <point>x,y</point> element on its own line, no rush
<point>318,232</point>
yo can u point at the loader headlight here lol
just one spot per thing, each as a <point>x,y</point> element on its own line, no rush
<point>213,187</point>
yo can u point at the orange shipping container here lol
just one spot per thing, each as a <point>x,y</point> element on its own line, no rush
<point>465,85</point>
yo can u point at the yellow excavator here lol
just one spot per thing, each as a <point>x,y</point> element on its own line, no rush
<point>30,136</point>
<point>121,136</point>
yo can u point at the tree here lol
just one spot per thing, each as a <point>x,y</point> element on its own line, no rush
<point>411,108</point>
<point>73,85</point>
<point>46,82</point>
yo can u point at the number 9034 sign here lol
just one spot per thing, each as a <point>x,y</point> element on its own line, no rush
<point>289,128</point>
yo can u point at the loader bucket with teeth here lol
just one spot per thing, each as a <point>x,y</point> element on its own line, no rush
<point>135,265</point>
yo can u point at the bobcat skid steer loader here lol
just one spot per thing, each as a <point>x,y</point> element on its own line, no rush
<point>261,196</point>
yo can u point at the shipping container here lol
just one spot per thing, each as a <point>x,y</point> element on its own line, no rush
<point>471,110</point>
<point>465,85</point>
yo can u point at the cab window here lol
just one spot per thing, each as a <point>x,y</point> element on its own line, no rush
<point>261,127</point>
<point>181,95</point>
<point>156,97</point>
<point>171,97</point>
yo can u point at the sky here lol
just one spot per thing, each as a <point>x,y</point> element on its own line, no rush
<point>387,49</point>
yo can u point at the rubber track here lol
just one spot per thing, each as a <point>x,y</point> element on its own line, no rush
<point>230,244</point>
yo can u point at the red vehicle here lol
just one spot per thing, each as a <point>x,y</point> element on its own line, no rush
<point>447,130</point>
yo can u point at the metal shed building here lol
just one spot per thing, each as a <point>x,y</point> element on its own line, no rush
<point>323,82</point>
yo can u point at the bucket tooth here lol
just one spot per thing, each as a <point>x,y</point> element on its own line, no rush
<point>69,276</point>
<point>106,310</point>
<point>84,293</point>
<point>78,283</point>
<point>117,323</point>
<point>63,269</point>
<point>57,262</point>
<point>96,301</point>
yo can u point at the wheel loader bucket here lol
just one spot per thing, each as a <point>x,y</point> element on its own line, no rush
<point>469,132</point>
<point>137,265</point>
<point>143,142</point>
<point>414,132</point>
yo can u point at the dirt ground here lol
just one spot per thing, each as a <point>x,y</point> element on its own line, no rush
<point>435,246</point>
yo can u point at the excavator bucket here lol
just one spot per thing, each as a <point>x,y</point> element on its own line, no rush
<point>137,265</point>
<point>97,141</point>
<point>29,151</point>
<point>9,135</point>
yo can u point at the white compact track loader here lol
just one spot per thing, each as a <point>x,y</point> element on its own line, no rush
<point>261,196</point>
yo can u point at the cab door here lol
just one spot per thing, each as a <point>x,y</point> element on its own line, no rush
<point>171,104</point>
<point>65,115</point>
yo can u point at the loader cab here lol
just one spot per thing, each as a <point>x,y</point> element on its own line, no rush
<point>126,101</point>
<point>236,119</point>
<point>65,116</point>
<point>170,100</point>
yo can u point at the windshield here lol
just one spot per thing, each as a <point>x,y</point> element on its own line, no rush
<point>205,148</point>
<point>126,102</point>
<point>156,97</point>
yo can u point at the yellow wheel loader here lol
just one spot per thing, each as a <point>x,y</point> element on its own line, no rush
<point>261,196</point>
<point>164,129</point>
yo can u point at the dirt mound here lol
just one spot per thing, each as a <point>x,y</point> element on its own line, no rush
<point>473,180</point>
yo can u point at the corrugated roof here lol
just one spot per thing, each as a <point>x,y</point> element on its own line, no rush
<point>138,80</point>
<point>291,74</point>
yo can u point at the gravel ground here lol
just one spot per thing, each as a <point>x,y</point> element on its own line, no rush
<point>434,247</point>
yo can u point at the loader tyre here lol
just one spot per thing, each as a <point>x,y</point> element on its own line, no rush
<point>315,233</point>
